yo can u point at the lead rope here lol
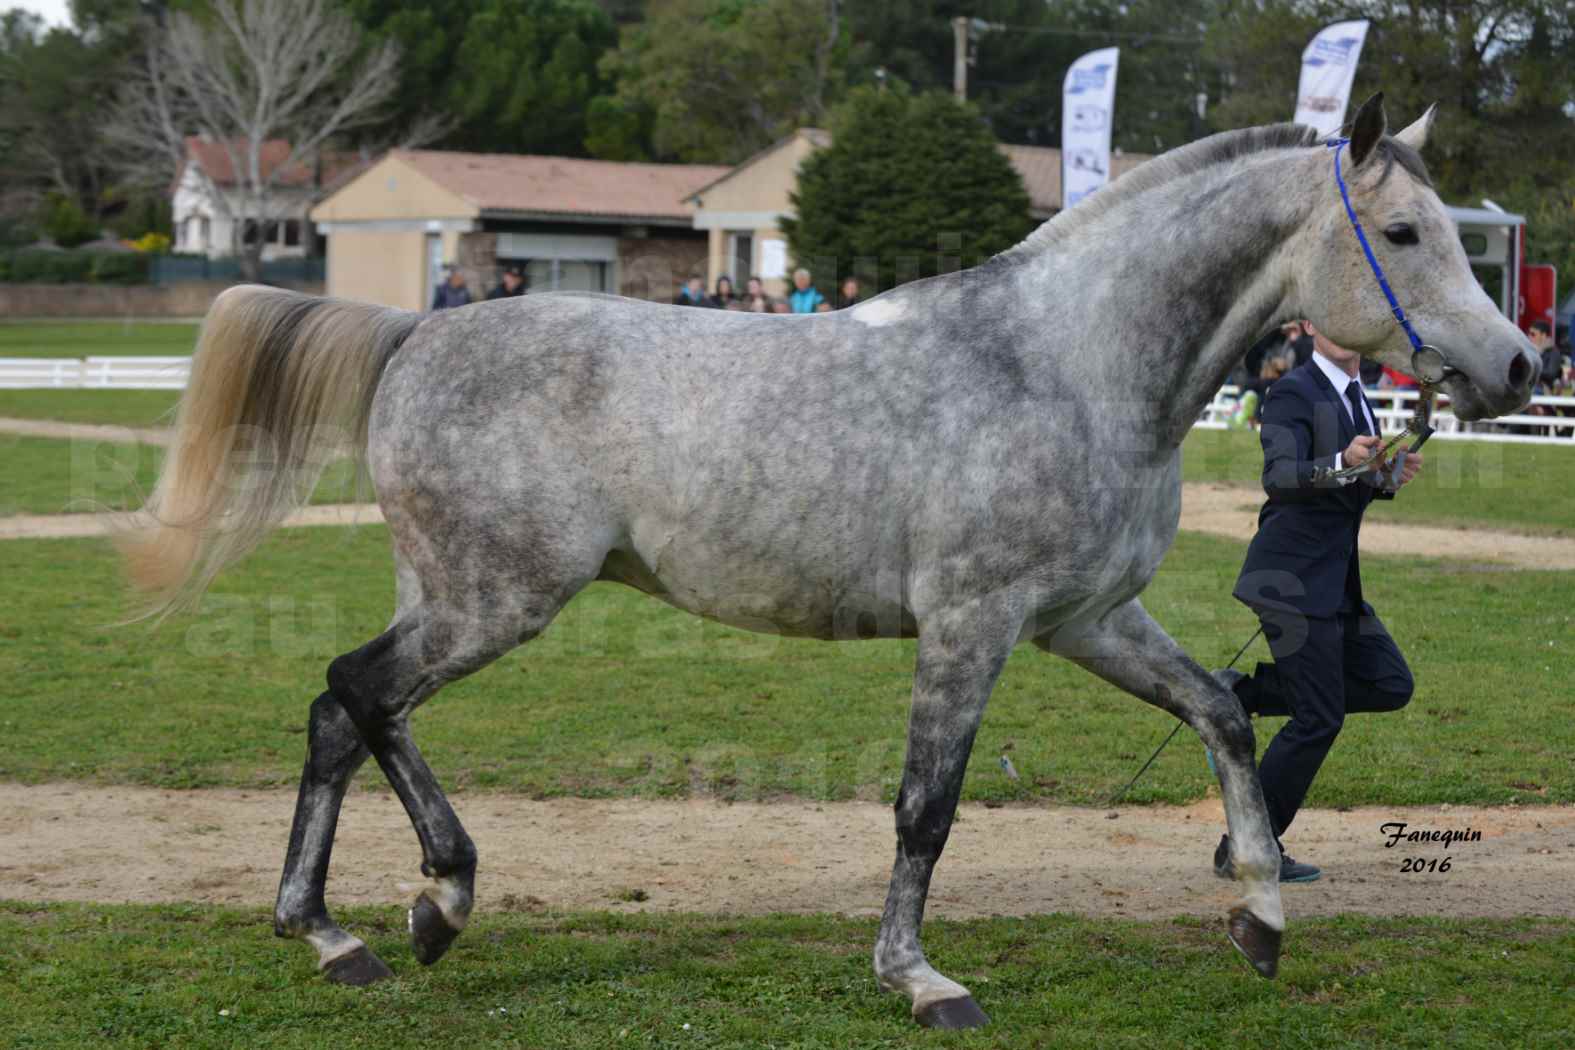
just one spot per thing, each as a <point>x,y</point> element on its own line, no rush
<point>1119,795</point>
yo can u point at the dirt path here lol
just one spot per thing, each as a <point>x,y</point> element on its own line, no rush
<point>1226,510</point>
<point>59,526</point>
<point>48,428</point>
<point>73,842</point>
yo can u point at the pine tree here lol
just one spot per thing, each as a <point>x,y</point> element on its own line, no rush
<point>911,185</point>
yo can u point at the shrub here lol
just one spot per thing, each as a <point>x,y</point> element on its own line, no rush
<point>111,268</point>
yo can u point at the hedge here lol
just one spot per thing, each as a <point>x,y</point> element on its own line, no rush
<point>31,266</point>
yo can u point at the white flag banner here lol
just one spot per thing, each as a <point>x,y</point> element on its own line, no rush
<point>1328,68</point>
<point>1088,105</point>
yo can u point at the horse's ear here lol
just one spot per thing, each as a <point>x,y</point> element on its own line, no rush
<point>1367,129</point>
<point>1415,136</point>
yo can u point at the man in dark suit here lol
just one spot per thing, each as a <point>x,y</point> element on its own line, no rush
<point>1332,655</point>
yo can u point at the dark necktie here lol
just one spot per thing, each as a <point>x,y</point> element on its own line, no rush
<point>1353,394</point>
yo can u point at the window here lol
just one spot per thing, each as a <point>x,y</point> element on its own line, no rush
<point>292,233</point>
<point>249,230</point>
<point>740,262</point>
<point>565,275</point>
<point>207,232</point>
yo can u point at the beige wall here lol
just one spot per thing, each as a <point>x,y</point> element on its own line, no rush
<point>764,184</point>
<point>392,190</point>
<point>760,187</point>
<point>379,267</point>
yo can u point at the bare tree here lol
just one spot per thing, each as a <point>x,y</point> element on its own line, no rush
<point>252,71</point>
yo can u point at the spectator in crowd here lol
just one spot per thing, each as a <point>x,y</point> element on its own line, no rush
<point>692,294</point>
<point>452,292</point>
<point>805,298</point>
<point>849,293</point>
<point>1541,335</point>
<point>724,297</point>
<point>755,298</point>
<point>1278,361</point>
<point>513,284</point>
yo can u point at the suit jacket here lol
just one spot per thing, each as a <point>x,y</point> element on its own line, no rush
<point>1304,555</point>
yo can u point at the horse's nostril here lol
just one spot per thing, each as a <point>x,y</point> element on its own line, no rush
<point>1520,371</point>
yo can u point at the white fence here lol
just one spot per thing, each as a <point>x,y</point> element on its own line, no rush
<point>117,373</point>
<point>1392,406</point>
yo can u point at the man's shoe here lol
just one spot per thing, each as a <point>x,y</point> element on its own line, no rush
<point>1290,870</point>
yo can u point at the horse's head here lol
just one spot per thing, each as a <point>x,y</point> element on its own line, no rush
<point>1489,365</point>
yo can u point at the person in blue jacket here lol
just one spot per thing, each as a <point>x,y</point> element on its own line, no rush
<point>1302,577</point>
<point>805,298</point>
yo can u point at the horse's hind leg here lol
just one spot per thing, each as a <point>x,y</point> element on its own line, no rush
<point>1128,649</point>
<point>378,685</point>
<point>961,654</point>
<point>334,753</point>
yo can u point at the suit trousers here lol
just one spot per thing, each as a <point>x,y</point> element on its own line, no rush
<point>1324,669</point>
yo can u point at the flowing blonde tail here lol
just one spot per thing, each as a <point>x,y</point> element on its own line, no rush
<point>281,384</point>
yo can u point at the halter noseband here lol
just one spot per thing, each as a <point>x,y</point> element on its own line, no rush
<point>1427,362</point>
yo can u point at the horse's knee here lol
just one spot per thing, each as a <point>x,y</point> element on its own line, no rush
<point>924,822</point>
<point>332,740</point>
<point>363,683</point>
<point>1230,725</point>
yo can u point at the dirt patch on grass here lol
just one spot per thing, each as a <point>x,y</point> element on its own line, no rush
<point>1229,510</point>
<point>82,843</point>
<point>1220,510</point>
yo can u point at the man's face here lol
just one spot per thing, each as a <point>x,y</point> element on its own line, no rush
<point>754,286</point>
<point>801,281</point>
<point>1540,339</point>
<point>456,279</point>
<point>1333,351</point>
<point>511,281</point>
<point>694,285</point>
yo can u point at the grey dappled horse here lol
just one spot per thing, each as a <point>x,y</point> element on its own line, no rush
<point>978,459</point>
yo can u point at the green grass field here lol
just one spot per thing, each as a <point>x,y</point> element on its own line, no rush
<point>625,696</point>
<point>96,338</point>
<point>1484,484</point>
<point>122,408</point>
<point>216,977</point>
<point>49,476</point>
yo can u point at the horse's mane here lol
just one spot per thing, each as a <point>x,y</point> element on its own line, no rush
<point>1196,156</point>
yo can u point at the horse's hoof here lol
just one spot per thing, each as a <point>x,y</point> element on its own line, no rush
<point>1256,940</point>
<point>952,1013</point>
<point>357,968</point>
<point>430,933</point>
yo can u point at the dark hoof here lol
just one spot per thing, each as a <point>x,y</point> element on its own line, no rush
<point>430,933</point>
<point>357,969</point>
<point>1255,940</point>
<point>952,1013</point>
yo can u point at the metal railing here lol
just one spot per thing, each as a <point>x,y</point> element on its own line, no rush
<point>1392,407</point>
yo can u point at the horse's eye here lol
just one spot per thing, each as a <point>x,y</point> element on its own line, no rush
<point>1401,233</point>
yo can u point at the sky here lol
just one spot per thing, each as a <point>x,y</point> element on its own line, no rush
<point>55,12</point>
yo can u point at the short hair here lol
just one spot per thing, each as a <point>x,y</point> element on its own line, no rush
<point>1542,326</point>
<point>798,271</point>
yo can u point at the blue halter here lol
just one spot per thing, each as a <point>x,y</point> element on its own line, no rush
<point>1426,362</point>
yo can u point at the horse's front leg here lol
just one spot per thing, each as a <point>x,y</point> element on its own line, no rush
<point>961,652</point>
<point>1128,649</point>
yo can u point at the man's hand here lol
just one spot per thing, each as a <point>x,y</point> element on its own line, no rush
<point>1360,452</point>
<point>1411,467</point>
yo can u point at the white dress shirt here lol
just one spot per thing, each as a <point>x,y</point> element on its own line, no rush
<point>1340,381</point>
